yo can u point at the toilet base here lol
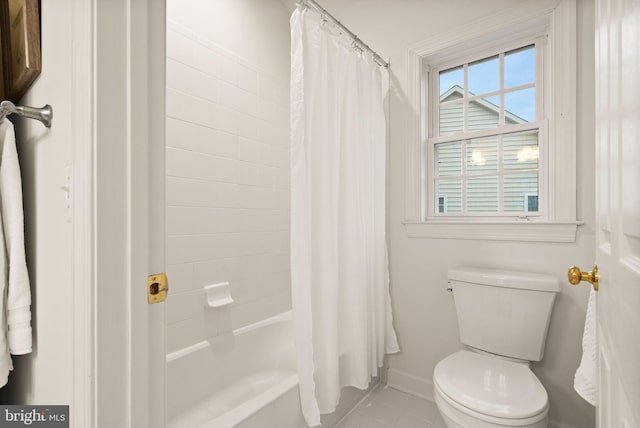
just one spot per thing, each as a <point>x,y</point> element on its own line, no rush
<point>455,418</point>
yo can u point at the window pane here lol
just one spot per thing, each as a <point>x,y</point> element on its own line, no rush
<point>482,155</point>
<point>484,76</point>
<point>451,118</point>
<point>484,113</point>
<point>520,67</point>
<point>451,78</point>
<point>449,196</point>
<point>521,192</point>
<point>448,158</point>
<point>494,102</point>
<point>520,106</point>
<point>482,194</point>
<point>521,150</point>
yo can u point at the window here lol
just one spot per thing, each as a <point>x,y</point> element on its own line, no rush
<point>491,150</point>
<point>486,125</point>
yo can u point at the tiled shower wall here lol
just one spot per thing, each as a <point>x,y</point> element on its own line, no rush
<point>227,188</point>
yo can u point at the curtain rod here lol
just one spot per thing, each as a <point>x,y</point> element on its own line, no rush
<point>312,3</point>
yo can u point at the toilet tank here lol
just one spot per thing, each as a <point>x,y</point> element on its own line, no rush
<point>503,312</point>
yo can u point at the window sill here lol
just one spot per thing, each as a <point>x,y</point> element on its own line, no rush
<point>525,231</point>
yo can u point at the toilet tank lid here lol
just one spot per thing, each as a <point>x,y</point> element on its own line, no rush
<point>505,278</point>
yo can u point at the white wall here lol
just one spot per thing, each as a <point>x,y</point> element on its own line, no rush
<point>227,164</point>
<point>46,376</point>
<point>424,312</point>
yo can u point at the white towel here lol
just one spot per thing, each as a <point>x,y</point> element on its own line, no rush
<point>14,278</point>
<point>585,379</point>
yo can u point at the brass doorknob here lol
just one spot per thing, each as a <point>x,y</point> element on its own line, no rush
<point>576,275</point>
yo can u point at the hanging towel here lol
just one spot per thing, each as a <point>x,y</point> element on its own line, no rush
<point>15,299</point>
<point>585,379</point>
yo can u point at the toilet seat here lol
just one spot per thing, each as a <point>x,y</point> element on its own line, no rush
<point>491,388</point>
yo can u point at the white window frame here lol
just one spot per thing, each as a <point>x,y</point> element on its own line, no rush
<point>556,21</point>
<point>431,78</point>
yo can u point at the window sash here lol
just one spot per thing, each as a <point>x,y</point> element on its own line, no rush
<point>431,86</point>
<point>501,130</point>
<point>431,208</point>
<point>431,83</point>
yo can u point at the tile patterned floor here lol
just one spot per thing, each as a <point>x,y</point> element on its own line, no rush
<point>389,408</point>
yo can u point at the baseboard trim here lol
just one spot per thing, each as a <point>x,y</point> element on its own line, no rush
<point>410,384</point>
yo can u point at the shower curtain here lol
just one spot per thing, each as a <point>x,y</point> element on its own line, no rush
<point>339,270</point>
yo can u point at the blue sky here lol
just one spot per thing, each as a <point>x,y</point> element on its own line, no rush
<point>519,69</point>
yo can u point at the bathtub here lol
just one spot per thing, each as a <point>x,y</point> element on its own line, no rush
<point>245,379</point>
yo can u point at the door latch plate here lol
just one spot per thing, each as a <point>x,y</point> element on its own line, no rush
<point>157,288</point>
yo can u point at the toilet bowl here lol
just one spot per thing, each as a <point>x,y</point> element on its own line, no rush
<point>503,318</point>
<point>473,390</point>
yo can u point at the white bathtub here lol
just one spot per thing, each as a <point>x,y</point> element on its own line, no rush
<point>246,379</point>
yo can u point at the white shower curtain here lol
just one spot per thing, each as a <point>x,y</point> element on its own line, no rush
<point>339,270</point>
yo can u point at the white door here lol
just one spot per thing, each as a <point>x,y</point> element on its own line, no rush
<point>618,211</point>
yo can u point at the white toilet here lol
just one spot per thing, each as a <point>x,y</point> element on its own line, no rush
<point>503,319</point>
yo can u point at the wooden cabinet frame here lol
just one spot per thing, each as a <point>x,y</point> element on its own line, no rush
<point>20,61</point>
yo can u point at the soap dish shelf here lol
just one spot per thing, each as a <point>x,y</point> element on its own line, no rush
<point>217,295</point>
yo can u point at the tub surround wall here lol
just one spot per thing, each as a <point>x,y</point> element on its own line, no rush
<point>227,164</point>
<point>424,312</point>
